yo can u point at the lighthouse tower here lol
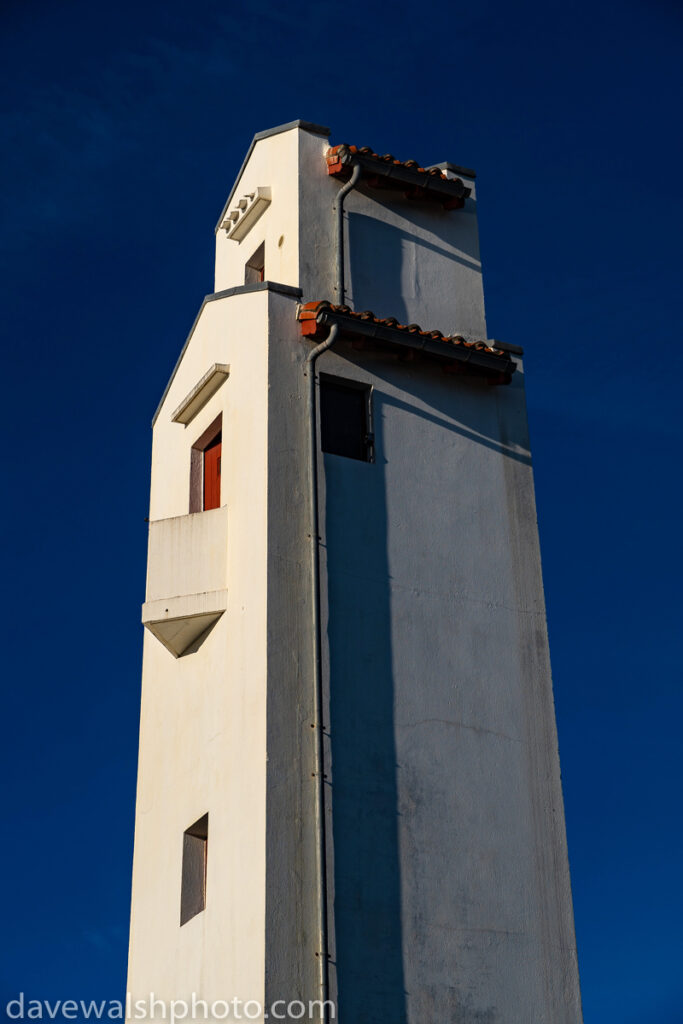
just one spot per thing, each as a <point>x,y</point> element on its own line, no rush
<point>349,787</point>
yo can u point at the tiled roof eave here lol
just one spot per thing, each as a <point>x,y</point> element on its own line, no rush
<point>497,366</point>
<point>387,172</point>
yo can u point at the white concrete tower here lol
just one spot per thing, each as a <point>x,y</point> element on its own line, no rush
<point>349,782</point>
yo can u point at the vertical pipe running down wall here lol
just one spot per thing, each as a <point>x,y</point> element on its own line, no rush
<point>319,760</point>
<point>339,208</point>
<point>309,371</point>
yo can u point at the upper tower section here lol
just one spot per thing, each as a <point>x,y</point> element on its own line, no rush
<point>258,232</point>
<point>408,248</point>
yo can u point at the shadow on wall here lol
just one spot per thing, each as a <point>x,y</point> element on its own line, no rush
<point>367,790</point>
<point>393,269</point>
<point>380,260</point>
<point>367,902</point>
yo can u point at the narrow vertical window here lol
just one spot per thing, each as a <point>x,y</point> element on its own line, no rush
<point>212,474</point>
<point>345,419</point>
<point>193,886</point>
<point>255,269</point>
<point>205,468</point>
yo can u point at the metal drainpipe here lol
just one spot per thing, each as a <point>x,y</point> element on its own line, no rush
<point>339,207</point>
<point>320,841</point>
<point>309,371</point>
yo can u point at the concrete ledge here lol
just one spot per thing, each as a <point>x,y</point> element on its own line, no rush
<point>260,286</point>
<point>201,393</point>
<point>187,555</point>
<point>178,622</point>
<point>241,219</point>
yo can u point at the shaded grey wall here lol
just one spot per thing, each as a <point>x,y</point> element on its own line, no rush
<point>364,835</point>
<point>415,261</point>
<point>411,260</point>
<point>291,882</point>
<point>449,880</point>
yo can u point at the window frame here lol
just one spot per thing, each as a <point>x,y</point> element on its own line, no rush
<point>351,385</point>
<point>255,267</point>
<point>193,889</point>
<point>197,464</point>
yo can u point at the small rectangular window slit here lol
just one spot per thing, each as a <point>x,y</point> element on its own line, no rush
<point>345,419</point>
<point>255,270</point>
<point>193,886</point>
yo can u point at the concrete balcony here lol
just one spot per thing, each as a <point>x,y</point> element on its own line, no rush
<point>187,575</point>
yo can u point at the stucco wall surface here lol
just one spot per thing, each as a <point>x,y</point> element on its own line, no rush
<point>203,718</point>
<point>416,262</point>
<point>291,880</point>
<point>187,554</point>
<point>317,225</point>
<point>451,896</point>
<point>411,260</point>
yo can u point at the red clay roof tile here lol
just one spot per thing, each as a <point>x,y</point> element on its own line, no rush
<point>308,314</point>
<point>335,160</point>
<point>458,355</point>
<point>386,171</point>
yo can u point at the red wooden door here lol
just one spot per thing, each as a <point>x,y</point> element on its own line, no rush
<point>212,474</point>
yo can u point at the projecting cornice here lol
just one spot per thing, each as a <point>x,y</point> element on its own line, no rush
<point>454,351</point>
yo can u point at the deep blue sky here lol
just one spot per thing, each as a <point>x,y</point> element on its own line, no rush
<point>123,128</point>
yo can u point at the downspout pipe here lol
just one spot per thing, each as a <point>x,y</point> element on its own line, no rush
<point>320,836</point>
<point>319,757</point>
<point>339,209</point>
